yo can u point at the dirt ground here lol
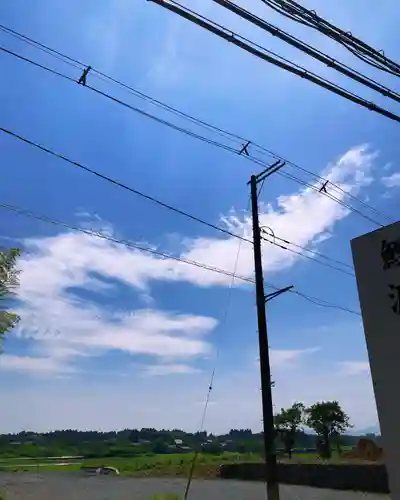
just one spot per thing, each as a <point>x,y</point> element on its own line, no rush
<point>74,486</point>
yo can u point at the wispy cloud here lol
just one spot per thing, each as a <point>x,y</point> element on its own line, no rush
<point>58,319</point>
<point>391,180</point>
<point>354,367</point>
<point>32,365</point>
<point>169,369</point>
<point>285,357</point>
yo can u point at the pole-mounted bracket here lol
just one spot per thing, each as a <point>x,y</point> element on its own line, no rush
<point>244,149</point>
<point>269,171</point>
<point>272,295</point>
<point>323,187</point>
<point>82,79</point>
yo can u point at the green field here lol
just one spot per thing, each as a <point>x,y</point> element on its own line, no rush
<point>147,465</point>
<point>151,465</point>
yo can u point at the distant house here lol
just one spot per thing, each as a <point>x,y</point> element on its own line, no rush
<point>178,442</point>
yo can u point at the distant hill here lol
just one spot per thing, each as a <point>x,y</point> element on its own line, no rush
<point>373,429</point>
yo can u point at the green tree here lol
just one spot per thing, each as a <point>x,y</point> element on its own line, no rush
<point>159,447</point>
<point>328,420</point>
<point>9,281</point>
<point>287,425</point>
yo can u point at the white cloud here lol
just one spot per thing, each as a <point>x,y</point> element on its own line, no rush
<point>77,328</point>
<point>27,364</point>
<point>304,218</point>
<point>354,367</point>
<point>169,369</point>
<point>284,357</point>
<point>392,180</point>
<point>61,322</point>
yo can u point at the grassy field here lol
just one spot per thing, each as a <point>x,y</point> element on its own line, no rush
<point>151,465</point>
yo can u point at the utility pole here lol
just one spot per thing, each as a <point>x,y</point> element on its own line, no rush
<point>271,476</point>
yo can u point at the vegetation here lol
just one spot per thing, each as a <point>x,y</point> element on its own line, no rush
<point>165,452</point>
<point>9,281</point>
<point>136,451</point>
<point>172,465</point>
<point>287,425</point>
<point>328,421</point>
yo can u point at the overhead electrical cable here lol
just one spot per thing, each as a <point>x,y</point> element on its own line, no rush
<point>271,57</point>
<point>356,46</point>
<point>197,136</point>
<point>313,259</point>
<point>211,384</point>
<point>313,252</point>
<point>162,204</point>
<point>126,243</point>
<point>309,50</point>
<point>208,126</point>
<point>324,303</point>
<point>318,190</point>
<point>124,186</point>
<point>20,211</point>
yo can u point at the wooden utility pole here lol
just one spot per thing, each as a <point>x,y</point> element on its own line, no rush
<point>265,368</point>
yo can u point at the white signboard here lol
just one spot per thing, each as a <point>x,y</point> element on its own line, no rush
<point>376,258</point>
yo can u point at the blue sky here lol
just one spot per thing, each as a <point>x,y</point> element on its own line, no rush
<point>111,337</point>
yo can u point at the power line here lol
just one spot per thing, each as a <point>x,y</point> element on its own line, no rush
<point>133,108</point>
<point>208,126</point>
<point>309,50</point>
<point>197,136</point>
<point>335,187</point>
<point>129,244</point>
<point>150,198</point>
<point>300,254</point>
<point>122,185</point>
<point>313,252</point>
<point>103,76</point>
<point>324,303</point>
<point>318,190</point>
<point>357,47</point>
<point>271,57</point>
<point>126,243</point>
<point>187,132</point>
<point>211,384</point>
<point>44,48</point>
<point>158,202</point>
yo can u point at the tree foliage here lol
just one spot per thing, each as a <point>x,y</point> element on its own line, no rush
<point>136,442</point>
<point>9,281</point>
<point>287,425</point>
<point>328,421</point>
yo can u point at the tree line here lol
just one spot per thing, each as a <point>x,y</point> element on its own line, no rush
<point>131,442</point>
<point>326,419</point>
